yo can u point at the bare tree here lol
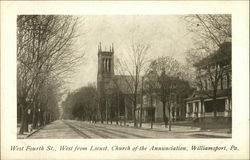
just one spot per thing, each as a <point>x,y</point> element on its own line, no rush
<point>44,51</point>
<point>211,30</point>
<point>134,66</point>
<point>150,85</point>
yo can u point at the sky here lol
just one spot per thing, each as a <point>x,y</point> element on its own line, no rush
<point>166,34</point>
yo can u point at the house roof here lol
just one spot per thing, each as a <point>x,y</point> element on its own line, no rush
<point>208,94</point>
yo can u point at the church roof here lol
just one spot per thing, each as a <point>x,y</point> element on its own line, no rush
<point>125,83</point>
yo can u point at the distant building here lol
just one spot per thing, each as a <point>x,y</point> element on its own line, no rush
<point>213,97</point>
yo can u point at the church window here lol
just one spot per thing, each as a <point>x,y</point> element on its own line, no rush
<point>109,65</point>
<point>106,62</point>
<point>104,66</point>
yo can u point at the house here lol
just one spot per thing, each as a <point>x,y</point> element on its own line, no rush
<point>212,98</point>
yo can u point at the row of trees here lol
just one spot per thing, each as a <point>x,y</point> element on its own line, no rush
<point>82,104</point>
<point>44,58</point>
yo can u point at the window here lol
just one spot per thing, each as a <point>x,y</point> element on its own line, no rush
<point>208,106</point>
<point>220,104</point>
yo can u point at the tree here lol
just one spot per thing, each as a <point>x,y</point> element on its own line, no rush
<point>82,104</point>
<point>150,89</point>
<point>211,30</point>
<point>44,52</point>
<point>169,74</point>
<point>134,65</point>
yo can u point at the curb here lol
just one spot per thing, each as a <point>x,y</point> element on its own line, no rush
<point>33,132</point>
<point>213,135</point>
<point>153,129</point>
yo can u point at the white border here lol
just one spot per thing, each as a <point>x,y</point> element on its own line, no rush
<point>240,60</point>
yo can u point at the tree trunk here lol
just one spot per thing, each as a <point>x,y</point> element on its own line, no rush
<point>135,96</point>
<point>152,120</point>
<point>170,119</point>
<point>34,121</point>
<point>141,103</point>
<point>135,122</point>
<point>101,114</point>
<point>118,109</point>
<point>164,114</point>
<point>125,115</point>
<point>117,119</point>
<point>134,112</point>
<point>152,113</point>
<point>106,106</point>
<point>100,108</point>
<point>214,100</point>
<point>44,118</point>
<point>215,107</point>
<point>24,122</point>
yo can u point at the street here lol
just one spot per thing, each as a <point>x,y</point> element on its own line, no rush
<point>71,129</point>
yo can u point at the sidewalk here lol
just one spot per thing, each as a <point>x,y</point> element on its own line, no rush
<point>185,129</point>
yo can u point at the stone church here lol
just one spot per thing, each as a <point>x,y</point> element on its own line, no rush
<point>114,103</point>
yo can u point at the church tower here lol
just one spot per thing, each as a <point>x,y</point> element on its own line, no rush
<point>105,63</point>
<point>105,73</point>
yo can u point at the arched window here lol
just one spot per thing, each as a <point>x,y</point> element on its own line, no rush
<point>106,68</point>
<point>110,65</point>
<point>104,65</point>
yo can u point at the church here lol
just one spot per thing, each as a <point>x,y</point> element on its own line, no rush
<point>114,104</point>
<point>116,99</point>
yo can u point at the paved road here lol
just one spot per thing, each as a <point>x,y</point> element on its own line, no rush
<point>70,129</point>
